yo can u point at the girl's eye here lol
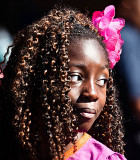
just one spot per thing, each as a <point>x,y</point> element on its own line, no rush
<point>101,82</point>
<point>75,78</point>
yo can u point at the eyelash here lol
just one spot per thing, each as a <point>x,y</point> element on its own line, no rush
<point>80,78</point>
<point>100,80</point>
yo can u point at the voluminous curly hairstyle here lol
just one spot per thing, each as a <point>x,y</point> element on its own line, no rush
<point>36,86</point>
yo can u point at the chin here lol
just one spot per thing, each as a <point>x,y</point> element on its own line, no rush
<point>86,125</point>
<point>82,130</point>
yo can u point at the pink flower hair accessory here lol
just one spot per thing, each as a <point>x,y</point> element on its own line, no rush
<point>110,28</point>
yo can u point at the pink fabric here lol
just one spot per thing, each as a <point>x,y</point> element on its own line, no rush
<point>94,150</point>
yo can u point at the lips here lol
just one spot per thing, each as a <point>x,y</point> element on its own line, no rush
<point>86,112</point>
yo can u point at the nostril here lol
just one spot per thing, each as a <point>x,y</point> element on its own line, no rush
<point>86,98</point>
<point>89,93</point>
<point>90,99</point>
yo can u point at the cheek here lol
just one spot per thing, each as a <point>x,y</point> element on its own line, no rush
<point>102,99</point>
<point>73,95</point>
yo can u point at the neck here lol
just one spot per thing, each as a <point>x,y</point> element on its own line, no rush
<point>78,136</point>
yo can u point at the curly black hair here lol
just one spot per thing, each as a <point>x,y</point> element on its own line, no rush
<point>36,85</point>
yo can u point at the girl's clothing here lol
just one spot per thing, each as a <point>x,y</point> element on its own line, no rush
<point>90,149</point>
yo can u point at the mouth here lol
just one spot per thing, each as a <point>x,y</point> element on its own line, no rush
<point>86,112</point>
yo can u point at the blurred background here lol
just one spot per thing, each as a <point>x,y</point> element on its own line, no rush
<point>16,15</point>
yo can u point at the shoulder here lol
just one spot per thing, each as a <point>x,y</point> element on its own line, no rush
<point>94,150</point>
<point>101,152</point>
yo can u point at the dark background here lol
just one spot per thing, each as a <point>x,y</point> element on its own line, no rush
<point>17,14</point>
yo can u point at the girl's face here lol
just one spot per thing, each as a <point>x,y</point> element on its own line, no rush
<point>89,74</point>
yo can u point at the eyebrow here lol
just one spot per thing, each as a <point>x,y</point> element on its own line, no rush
<point>105,66</point>
<point>78,66</point>
<point>84,67</point>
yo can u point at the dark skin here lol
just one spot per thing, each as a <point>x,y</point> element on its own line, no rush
<point>89,74</point>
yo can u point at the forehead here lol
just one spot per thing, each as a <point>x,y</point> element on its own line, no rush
<point>87,50</point>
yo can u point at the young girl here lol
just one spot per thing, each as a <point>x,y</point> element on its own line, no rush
<point>56,83</point>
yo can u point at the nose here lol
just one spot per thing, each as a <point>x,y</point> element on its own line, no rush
<point>90,92</point>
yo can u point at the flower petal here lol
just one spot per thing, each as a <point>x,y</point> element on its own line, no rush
<point>117,23</point>
<point>97,14</point>
<point>109,14</point>
<point>96,18</point>
<point>110,9</point>
<point>110,28</point>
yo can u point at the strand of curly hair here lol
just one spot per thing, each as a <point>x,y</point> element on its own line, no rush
<point>108,127</point>
<point>40,78</point>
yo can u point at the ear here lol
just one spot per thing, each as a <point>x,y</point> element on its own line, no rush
<point>127,4</point>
